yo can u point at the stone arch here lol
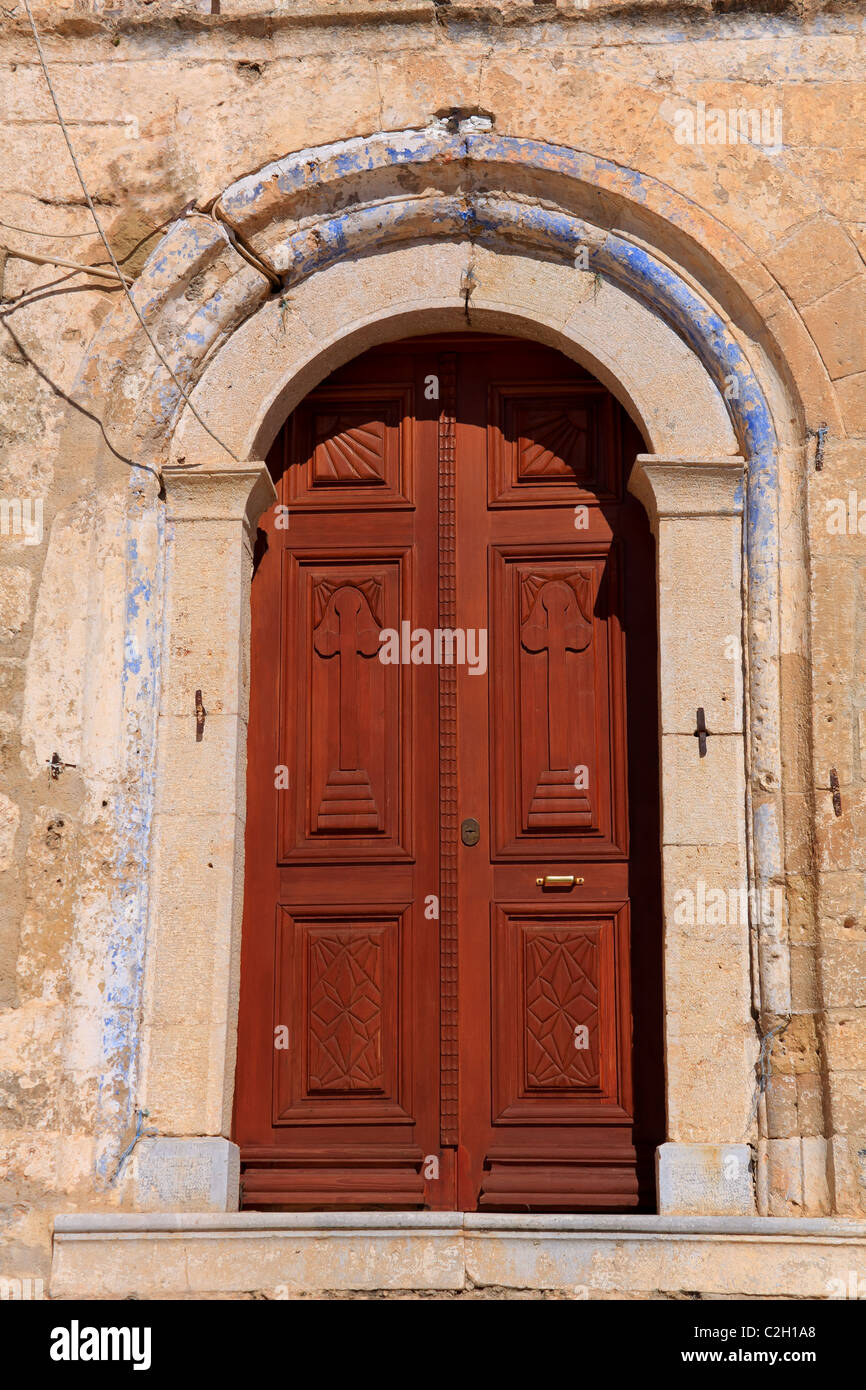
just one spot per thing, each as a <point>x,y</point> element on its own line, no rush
<point>453,179</point>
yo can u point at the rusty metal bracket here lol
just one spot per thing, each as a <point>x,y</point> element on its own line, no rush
<point>701,732</point>
<point>200,716</point>
<point>468,283</point>
<point>820,434</point>
<point>56,766</point>
<point>837,795</point>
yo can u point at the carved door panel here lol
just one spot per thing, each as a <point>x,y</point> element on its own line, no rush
<point>337,1097</point>
<point>556,560</point>
<point>422,1022</point>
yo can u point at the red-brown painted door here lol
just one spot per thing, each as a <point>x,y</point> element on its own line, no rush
<point>432,1012</point>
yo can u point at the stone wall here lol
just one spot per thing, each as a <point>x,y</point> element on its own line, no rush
<point>167,104</point>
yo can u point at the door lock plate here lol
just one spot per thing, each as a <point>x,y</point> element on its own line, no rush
<point>470,831</point>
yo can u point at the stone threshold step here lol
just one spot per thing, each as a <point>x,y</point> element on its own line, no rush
<point>185,1254</point>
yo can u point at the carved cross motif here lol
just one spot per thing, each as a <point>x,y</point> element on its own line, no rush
<point>556,624</point>
<point>348,629</point>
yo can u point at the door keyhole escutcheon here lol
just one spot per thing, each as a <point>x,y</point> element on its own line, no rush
<point>470,831</point>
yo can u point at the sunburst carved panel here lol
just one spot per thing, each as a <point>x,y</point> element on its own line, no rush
<point>349,447</point>
<point>553,443</point>
<point>352,445</point>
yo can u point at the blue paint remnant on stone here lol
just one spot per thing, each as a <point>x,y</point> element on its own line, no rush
<point>768,841</point>
<point>126,940</point>
<point>553,231</point>
<point>333,163</point>
<point>707,335</point>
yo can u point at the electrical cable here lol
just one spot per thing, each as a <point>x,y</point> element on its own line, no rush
<point>54,236</point>
<point>68,265</point>
<point>254,258</point>
<point>205,426</point>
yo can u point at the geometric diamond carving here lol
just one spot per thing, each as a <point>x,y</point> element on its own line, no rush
<point>561,974</point>
<point>346,975</point>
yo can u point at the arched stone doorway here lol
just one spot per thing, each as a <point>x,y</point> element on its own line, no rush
<point>692,493</point>
<point>503,253</point>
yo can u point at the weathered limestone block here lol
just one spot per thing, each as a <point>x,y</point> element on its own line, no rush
<point>15,585</point>
<point>705,1179</point>
<point>10,816</point>
<point>185,1175</point>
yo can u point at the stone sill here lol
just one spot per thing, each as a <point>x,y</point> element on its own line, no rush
<point>324,1223</point>
<point>199,1254</point>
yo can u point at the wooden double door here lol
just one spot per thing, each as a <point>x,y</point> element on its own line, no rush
<point>451,948</point>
